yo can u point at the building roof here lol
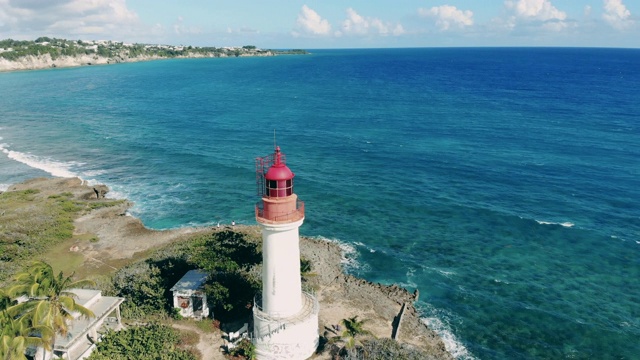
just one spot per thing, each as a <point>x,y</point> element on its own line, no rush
<point>101,307</point>
<point>192,280</point>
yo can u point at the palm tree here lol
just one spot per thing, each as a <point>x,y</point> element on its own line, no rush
<point>16,335</point>
<point>50,302</point>
<point>354,328</point>
<point>5,300</point>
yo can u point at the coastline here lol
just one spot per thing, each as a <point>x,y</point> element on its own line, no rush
<point>45,61</point>
<point>122,237</point>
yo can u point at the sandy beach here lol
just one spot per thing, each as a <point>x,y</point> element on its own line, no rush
<point>121,237</point>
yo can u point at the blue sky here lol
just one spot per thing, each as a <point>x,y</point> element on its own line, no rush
<point>316,24</point>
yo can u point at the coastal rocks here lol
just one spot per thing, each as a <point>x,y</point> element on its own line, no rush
<point>101,191</point>
<point>343,296</point>
<point>33,62</point>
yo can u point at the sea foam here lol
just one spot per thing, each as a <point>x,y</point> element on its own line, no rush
<point>565,224</point>
<point>53,167</point>
<point>451,342</point>
<point>349,254</point>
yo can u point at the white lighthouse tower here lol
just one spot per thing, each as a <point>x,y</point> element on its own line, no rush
<point>285,319</point>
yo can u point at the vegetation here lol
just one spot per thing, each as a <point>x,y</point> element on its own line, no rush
<point>228,256</point>
<point>349,339</point>
<point>46,312</point>
<point>383,349</point>
<point>14,49</point>
<point>245,349</point>
<point>151,342</point>
<point>354,329</point>
<point>31,224</point>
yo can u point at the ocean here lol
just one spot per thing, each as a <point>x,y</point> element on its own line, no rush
<point>503,183</point>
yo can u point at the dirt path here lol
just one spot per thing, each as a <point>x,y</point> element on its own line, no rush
<point>209,344</point>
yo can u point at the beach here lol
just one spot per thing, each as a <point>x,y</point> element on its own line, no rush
<point>121,237</point>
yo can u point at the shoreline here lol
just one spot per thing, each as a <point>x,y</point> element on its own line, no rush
<point>44,62</point>
<point>122,237</point>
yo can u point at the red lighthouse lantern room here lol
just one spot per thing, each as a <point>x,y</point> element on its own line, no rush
<point>275,185</point>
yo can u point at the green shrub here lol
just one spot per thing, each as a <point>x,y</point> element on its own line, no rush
<point>142,342</point>
<point>244,348</point>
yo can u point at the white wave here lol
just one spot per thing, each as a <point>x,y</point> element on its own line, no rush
<point>4,187</point>
<point>451,342</point>
<point>409,283</point>
<point>349,258</point>
<point>445,273</point>
<point>117,195</point>
<point>94,172</point>
<point>53,167</point>
<point>565,224</point>
<point>371,250</point>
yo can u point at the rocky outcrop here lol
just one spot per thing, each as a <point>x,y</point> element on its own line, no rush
<point>101,191</point>
<point>32,62</point>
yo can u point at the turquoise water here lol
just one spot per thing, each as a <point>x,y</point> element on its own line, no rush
<point>502,183</point>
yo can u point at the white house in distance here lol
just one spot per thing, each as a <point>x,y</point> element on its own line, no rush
<point>85,332</point>
<point>188,295</point>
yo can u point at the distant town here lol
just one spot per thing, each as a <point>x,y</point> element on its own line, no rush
<point>13,49</point>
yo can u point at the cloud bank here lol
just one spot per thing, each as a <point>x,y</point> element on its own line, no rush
<point>70,18</point>
<point>448,17</point>
<point>617,15</point>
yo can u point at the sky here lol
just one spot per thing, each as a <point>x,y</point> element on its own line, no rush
<point>317,24</point>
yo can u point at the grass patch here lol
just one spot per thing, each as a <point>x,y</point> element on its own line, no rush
<point>32,225</point>
<point>61,259</point>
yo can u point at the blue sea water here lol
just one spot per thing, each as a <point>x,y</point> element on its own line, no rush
<point>502,183</point>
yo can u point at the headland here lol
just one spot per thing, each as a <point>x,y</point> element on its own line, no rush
<point>46,53</point>
<point>107,238</point>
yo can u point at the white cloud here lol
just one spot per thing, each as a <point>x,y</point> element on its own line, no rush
<point>310,22</point>
<point>531,16</point>
<point>617,15</point>
<point>587,10</point>
<point>67,18</point>
<point>535,10</point>
<point>180,29</point>
<point>356,24</point>
<point>448,16</point>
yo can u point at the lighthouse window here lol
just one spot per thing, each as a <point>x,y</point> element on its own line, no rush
<point>279,188</point>
<point>289,187</point>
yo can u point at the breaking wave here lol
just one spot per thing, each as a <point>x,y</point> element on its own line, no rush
<point>53,167</point>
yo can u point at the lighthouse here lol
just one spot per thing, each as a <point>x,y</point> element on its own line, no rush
<point>285,318</point>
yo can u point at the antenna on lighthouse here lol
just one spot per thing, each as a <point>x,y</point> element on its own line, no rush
<point>274,139</point>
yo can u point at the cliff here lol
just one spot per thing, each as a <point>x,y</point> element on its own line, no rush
<point>34,62</point>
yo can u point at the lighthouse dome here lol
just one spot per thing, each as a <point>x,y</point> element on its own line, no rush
<point>279,172</point>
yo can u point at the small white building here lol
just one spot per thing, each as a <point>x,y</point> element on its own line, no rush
<point>189,296</point>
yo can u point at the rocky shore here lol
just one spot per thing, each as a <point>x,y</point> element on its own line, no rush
<point>45,61</point>
<point>121,237</point>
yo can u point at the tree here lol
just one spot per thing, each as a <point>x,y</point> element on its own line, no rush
<point>16,335</point>
<point>50,303</point>
<point>154,341</point>
<point>354,329</point>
